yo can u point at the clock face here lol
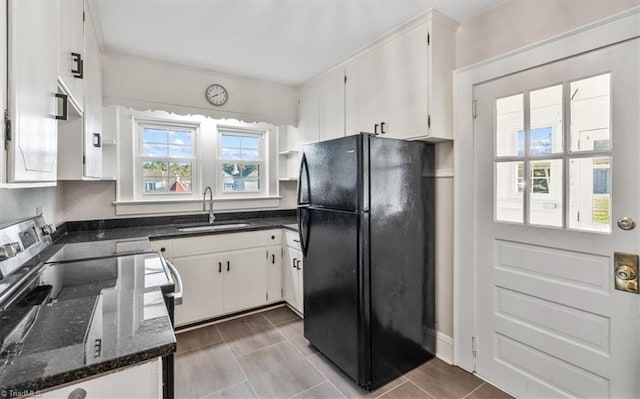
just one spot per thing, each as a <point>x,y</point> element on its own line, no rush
<point>217,95</point>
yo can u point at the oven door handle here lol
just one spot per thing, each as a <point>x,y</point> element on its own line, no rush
<point>177,294</point>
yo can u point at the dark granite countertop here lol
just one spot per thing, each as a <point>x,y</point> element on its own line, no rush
<point>98,315</point>
<point>54,343</point>
<point>167,231</point>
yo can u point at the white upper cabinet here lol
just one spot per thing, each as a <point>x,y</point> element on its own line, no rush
<point>80,137</point>
<point>308,114</point>
<point>92,104</point>
<point>401,86</point>
<point>71,53</point>
<point>32,103</point>
<point>331,106</point>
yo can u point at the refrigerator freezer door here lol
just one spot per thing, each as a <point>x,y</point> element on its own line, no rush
<point>334,295</point>
<point>332,174</point>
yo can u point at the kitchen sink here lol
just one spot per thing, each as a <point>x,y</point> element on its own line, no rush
<point>213,227</point>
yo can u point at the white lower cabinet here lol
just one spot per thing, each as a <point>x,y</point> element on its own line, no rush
<point>275,290</point>
<point>292,269</point>
<point>245,279</point>
<point>202,285</point>
<point>139,381</point>
<point>224,273</point>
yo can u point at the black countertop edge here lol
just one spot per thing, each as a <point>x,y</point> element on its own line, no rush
<point>40,385</point>
<point>202,217</point>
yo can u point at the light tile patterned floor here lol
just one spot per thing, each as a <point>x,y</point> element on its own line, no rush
<point>265,355</point>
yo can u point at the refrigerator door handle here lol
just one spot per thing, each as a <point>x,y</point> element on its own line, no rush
<point>304,173</point>
<point>303,229</point>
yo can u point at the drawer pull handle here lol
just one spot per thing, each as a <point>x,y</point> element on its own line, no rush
<point>219,267</point>
<point>228,265</point>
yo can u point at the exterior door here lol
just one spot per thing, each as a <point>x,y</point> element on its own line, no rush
<point>557,165</point>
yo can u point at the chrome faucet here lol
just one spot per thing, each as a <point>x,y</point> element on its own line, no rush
<point>212,218</point>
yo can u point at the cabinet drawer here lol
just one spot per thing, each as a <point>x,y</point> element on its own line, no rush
<point>222,242</point>
<point>291,239</point>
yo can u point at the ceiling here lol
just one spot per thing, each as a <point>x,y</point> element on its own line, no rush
<point>284,41</point>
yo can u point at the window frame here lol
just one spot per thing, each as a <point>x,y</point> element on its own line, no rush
<point>262,135</point>
<point>194,129</point>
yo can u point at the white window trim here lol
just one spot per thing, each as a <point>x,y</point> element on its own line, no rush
<point>263,183</point>
<point>138,177</point>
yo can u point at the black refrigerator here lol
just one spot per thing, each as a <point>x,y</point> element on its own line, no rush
<point>366,222</point>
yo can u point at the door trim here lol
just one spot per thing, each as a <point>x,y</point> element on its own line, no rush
<point>602,33</point>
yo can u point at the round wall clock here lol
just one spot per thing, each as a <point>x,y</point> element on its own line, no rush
<point>216,94</point>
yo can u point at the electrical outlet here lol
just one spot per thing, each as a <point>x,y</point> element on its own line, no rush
<point>38,210</point>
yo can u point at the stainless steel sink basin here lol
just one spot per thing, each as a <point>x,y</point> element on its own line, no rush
<point>213,227</point>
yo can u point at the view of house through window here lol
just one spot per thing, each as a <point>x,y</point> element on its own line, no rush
<point>241,161</point>
<point>168,159</point>
<point>536,149</point>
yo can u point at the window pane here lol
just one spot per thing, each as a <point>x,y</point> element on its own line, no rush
<point>509,126</point>
<point>154,136</point>
<point>590,114</point>
<point>154,150</point>
<point>545,199</point>
<point>509,204</point>
<point>180,151</point>
<point>180,138</point>
<point>180,177</point>
<point>231,141</point>
<point>590,194</point>
<point>546,121</point>
<point>240,177</point>
<point>250,142</point>
<point>240,147</point>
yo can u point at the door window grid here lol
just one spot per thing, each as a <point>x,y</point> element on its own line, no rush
<point>533,155</point>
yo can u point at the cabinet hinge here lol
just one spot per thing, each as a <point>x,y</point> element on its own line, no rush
<point>84,17</point>
<point>345,79</point>
<point>578,216</point>
<point>267,254</point>
<point>7,129</point>
<point>474,104</point>
<point>428,39</point>
<point>281,293</point>
<point>84,159</point>
<point>429,121</point>
<point>267,297</point>
<point>473,345</point>
<point>281,251</point>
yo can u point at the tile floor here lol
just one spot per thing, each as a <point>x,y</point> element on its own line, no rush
<point>265,355</point>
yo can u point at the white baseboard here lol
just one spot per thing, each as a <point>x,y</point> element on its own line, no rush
<point>444,347</point>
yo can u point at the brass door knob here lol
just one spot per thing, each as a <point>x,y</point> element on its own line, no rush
<point>624,272</point>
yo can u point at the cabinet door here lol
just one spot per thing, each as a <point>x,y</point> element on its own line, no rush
<point>308,114</point>
<point>92,105</point>
<point>274,274</point>
<point>404,98</point>
<point>331,105</point>
<point>71,41</point>
<point>300,292</point>
<point>202,280</point>
<point>33,70</point>
<point>292,289</point>
<point>364,92</point>
<point>139,381</point>
<point>389,85</point>
<point>245,279</point>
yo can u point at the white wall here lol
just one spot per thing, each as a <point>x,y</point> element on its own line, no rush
<point>517,23</point>
<point>145,84</point>
<point>16,203</point>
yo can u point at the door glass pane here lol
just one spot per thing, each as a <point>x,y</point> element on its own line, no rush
<point>590,194</point>
<point>590,114</point>
<point>546,121</point>
<point>510,126</point>
<point>509,189</point>
<point>545,193</point>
